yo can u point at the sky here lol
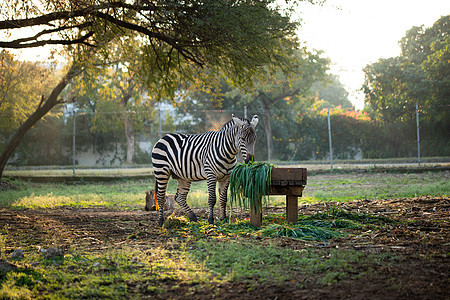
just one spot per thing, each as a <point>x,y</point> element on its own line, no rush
<point>355,33</point>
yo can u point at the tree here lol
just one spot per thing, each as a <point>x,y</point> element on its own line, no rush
<point>234,39</point>
<point>112,86</point>
<point>290,87</point>
<point>22,85</point>
<point>44,106</point>
<point>393,87</point>
<point>331,92</point>
<point>419,75</point>
<point>277,96</point>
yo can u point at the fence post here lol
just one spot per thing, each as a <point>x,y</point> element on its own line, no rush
<point>245,111</point>
<point>73,138</point>
<point>159,113</point>
<point>418,136</point>
<point>329,139</point>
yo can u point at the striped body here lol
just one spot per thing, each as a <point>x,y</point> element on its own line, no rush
<point>207,156</point>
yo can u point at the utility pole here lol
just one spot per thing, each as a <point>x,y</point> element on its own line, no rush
<point>418,136</point>
<point>74,113</point>
<point>329,139</point>
<point>160,130</point>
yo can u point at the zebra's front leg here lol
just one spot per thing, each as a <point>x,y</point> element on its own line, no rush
<point>180,198</point>
<point>211,182</point>
<point>223,189</point>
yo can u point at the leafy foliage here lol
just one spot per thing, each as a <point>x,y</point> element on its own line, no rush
<point>331,93</point>
<point>419,75</point>
<point>234,39</point>
<point>22,86</point>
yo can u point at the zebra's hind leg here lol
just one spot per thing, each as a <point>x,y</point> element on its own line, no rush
<point>182,192</point>
<point>223,189</point>
<point>161,180</point>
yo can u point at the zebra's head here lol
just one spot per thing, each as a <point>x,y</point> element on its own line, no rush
<point>246,137</point>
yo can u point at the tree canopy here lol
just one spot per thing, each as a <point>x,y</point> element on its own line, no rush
<point>331,93</point>
<point>234,39</point>
<point>419,75</point>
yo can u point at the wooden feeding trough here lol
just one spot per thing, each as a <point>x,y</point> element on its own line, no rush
<point>285,181</point>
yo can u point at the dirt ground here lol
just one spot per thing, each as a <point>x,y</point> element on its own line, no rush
<point>421,240</point>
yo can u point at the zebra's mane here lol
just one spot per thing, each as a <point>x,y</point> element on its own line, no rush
<point>231,123</point>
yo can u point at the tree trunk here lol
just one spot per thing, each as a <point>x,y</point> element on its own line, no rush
<point>41,111</point>
<point>267,126</point>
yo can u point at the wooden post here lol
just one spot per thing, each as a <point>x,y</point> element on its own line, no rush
<point>291,209</point>
<point>256,216</point>
<point>289,182</point>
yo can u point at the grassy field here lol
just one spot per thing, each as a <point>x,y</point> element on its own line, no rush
<point>129,194</point>
<point>113,249</point>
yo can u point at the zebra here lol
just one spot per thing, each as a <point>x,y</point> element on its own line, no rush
<point>209,156</point>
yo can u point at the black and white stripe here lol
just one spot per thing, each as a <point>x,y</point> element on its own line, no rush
<point>207,156</point>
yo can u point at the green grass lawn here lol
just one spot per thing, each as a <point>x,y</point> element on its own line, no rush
<point>129,194</point>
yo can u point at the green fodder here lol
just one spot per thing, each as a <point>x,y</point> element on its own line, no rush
<point>299,231</point>
<point>337,216</point>
<point>249,183</point>
<point>323,226</point>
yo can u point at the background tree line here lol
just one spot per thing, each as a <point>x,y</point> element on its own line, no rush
<point>116,96</point>
<point>420,74</point>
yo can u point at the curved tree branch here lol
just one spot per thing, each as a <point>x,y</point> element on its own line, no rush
<point>22,43</point>
<point>99,12</point>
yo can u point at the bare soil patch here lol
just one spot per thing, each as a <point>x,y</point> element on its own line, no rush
<point>420,238</point>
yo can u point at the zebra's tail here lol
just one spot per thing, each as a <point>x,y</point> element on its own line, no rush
<point>155,195</point>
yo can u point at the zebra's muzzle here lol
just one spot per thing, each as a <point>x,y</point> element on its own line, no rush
<point>250,157</point>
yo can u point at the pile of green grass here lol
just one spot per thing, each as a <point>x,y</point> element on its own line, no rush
<point>249,183</point>
<point>323,226</point>
<point>300,231</point>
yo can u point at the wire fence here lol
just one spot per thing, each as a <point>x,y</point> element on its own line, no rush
<point>77,141</point>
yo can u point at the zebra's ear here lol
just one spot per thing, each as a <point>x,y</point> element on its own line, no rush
<point>238,121</point>
<point>254,121</point>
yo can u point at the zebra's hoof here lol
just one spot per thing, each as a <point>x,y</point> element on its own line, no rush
<point>211,220</point>
<point>192,217</point>
<point>161,222</point>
